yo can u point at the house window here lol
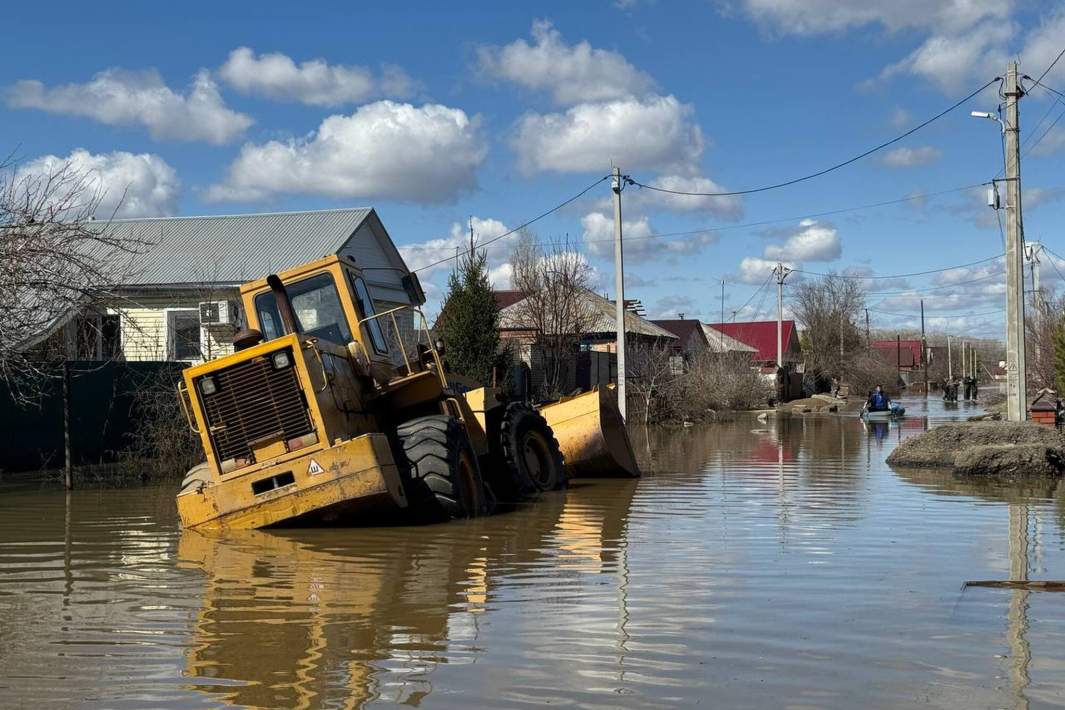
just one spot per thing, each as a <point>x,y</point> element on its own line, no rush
<point>183,330</point>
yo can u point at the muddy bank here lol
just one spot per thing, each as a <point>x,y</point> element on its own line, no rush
<point>985,448</point>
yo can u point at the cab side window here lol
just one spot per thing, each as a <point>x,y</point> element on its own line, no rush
<point>364,304</point>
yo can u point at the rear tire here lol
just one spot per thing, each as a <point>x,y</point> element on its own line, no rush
<point>530,450</point>
<point>444,475</point>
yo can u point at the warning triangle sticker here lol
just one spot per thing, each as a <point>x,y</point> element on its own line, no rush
<point>315,468</point>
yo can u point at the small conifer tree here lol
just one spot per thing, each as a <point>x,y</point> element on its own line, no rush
<point>469,320</point>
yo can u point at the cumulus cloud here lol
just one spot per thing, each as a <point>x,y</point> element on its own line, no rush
<point>1052,142</point>
<point>754,270</point>
<point>571,73</point>
<point>126,184</point>
<point>674,306</point>
<point>119,97</point>
<point>811,17</point>
<point>954,62</point>
<point>652,133</point>
<point>598,236</point>
<point>900,117</point>
<point>812,242</point>
<point>384,150</point>
<point>315,82</point>
<point>911,157</point>
<point>425,255</point>
<point>725,207</point>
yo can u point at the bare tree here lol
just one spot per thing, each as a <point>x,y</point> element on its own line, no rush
<point>55,260</point>
<point>828,309</point>
<point>1045,317</point>
<point>557,309</point>
<point>651,379</point>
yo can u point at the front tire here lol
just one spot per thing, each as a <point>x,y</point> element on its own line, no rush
<point>444,475</point>
<point>530,451</point>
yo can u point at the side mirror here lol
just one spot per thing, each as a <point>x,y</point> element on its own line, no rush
<point>413,287</point>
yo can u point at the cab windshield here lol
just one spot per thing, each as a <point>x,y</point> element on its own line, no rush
<point>317,308</point>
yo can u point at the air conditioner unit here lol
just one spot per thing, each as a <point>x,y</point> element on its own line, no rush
<point>218,313</point>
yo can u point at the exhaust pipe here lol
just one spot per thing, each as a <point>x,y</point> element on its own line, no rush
<point>284,306</point>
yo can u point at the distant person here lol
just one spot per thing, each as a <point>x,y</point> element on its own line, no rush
<point>878,401</point>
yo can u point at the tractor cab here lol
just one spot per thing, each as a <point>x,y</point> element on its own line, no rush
<point>329,300</point>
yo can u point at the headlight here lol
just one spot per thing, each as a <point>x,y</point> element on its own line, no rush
<point>281,360</point>
<point>208,386</point>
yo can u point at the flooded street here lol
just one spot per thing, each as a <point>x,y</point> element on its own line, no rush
<point>755,565</point>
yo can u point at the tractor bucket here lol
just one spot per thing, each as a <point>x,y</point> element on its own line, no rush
<point>592,435</point>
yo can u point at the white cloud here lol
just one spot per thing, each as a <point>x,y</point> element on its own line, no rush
<point>598,237</point>
<point>656,132</point>
<point>673,306</point>
<point>813,242</point>
<point>900,117</point>
<point>127,98</point>
<point>425,255</point>
<point>754,270</point>
<point>726,207</point>
<point>810,17</point>
<point>500,276</point>
<point>126,185</point>
<point>315,82</point>
<point>1042,46</point>
<point>384,150</point>
<point>573,74</point>
<point>954,62</point>
<point>911,157</point>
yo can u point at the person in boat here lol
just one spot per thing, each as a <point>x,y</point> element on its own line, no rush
<point>878,400</point>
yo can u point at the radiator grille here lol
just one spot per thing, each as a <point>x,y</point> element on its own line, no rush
<point>254,400</point>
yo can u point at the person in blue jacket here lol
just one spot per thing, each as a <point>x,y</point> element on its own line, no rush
<point>878,400</point>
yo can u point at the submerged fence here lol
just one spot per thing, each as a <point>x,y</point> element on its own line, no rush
<point>103,410</point>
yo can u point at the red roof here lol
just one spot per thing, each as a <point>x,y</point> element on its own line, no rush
<point>907,353</point>
<point>507,298</point>
<point>762,335</point>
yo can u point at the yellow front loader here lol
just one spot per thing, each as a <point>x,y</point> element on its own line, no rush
<point>331,411</point>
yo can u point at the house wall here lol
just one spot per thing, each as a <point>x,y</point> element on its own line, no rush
<point>145,333</point>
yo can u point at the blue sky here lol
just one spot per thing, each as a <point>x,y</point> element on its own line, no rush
<point>497,112</point>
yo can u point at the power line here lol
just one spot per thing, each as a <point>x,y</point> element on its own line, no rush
<point>753,295</point>
<point>918,315</point>
<point>1053,103</point>
<point>928,289</point>
<point>901,276</point>
<point>554,209</point>
<point>819,173</point>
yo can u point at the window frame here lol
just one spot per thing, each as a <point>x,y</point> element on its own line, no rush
<point>375,333</point>
<point>268,294</point>
<point>170,316</point>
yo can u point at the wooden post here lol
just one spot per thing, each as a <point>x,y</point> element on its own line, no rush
<point>68,463</point>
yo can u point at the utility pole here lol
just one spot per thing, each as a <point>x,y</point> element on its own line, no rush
<point>722,300</point>
<point>619,288</point>
<point>841,335</point>
<point>866,327</point>
<point>781,273</point>
<point>1016,376</point>
<point>924,351</point>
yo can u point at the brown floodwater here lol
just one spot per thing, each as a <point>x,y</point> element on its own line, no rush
<point>777,564</point>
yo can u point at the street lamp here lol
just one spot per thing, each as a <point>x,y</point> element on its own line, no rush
<point>990,116</point>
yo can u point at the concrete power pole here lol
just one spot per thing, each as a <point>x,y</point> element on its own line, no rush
<point>781,273</point>
<point>1016,376</point>
<point>924,351</point>
<point>619,287</point>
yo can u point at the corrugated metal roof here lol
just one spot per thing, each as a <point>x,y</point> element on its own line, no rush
<point>603,318</point>
<point>721,343</point>
<point>233,248</point>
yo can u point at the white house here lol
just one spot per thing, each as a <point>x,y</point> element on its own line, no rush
<point>180,300</point>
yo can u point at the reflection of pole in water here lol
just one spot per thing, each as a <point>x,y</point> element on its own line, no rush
<point>1017,614</point>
